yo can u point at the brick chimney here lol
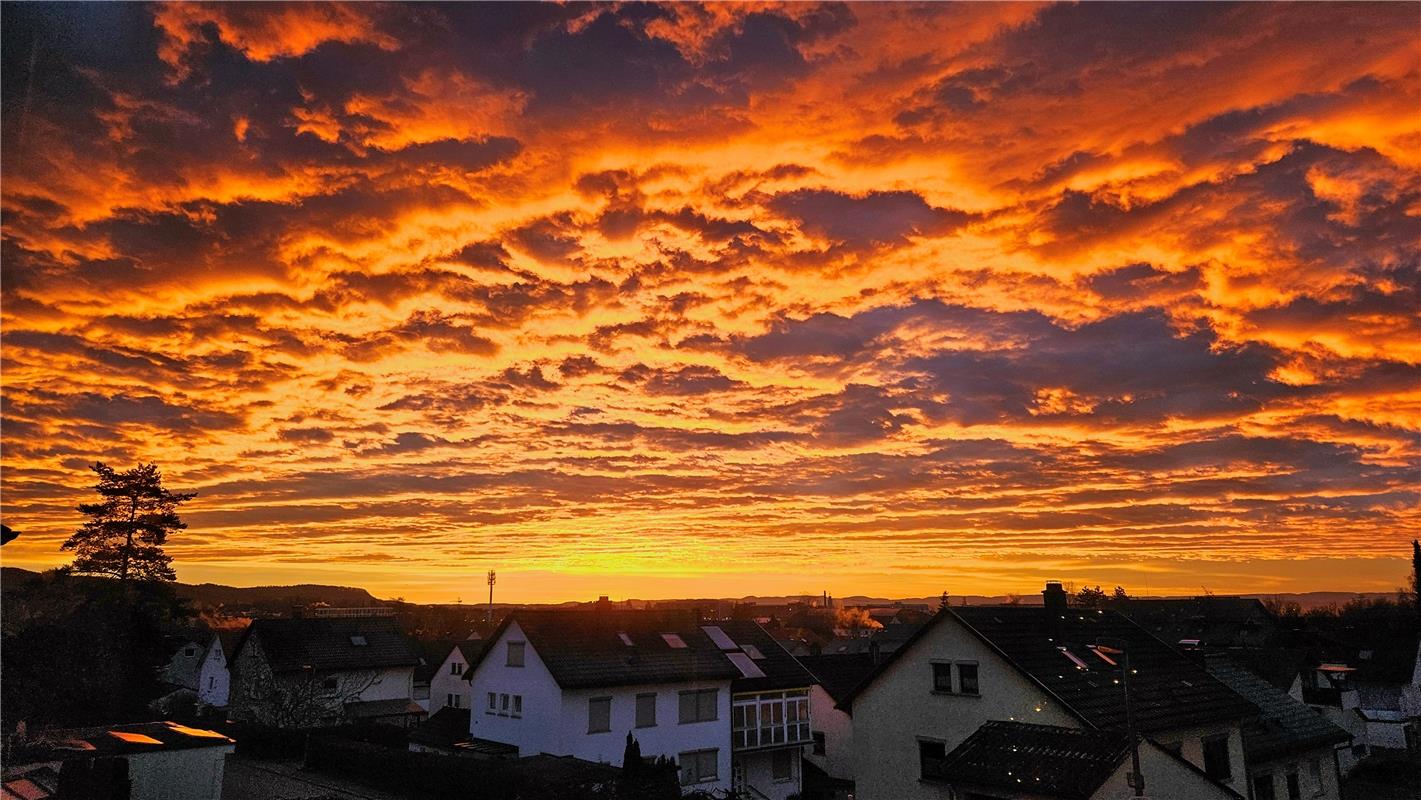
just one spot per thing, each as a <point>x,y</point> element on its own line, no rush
<point>1055,598</point>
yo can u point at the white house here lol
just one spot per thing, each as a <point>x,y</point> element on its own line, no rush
<point>302,673</point>
<point>1290,750</point>
<point>575,683</point>
<point>449,686</point>
<point>770,714</point>
<point>1051,666</point>
<point>214,678</point>
<point>833,729</point>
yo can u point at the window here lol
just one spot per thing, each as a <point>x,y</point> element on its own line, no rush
<point>700,706</point>
<point>673,640</point>
<point>699,766</point>
<point>1295,790</point>
<point>189,651</point>
<point>453,701</point>
<point>1315,772</point>
<point>782,765</point>
<point>358,641</point>
<point>492,702</point>
<point>930,756</point>
<point>626,640</point>
<point>820,740</point>
<point>967,678</point>
<point>646,710</point>
<point>503,702</point>
<point>515,654</point>
<point>599,715</point>
<point>421,691</point>
<point>1263,787</point>
<point>942,677</point>
<point>456,668</point>
<point>212,681</point>
<point>1216,758</point>
<point>1075,659</point>
<point>518,706</point>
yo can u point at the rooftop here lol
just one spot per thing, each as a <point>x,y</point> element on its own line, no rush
<point>620,648</point>
<point>1038,759</point>
<point>1285,725</point>
<point>327,644</point>
<point>839,674</point>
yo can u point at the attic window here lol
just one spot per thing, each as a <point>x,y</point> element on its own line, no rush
<point>1075,659</point>
<point>626,640</point>
<point>674,641</point>
<point>358,640</point>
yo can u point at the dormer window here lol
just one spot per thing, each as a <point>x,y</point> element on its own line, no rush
<point>674,641</point>
<point>358,641</point>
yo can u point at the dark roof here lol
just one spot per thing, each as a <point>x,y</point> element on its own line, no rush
<point>1285,725</point>
<point>885,641</point>
<point>584,649</point>
<point>327,643</point>
<point>1167,689</point>
<point>431,657</point>
<point>781,670</point>
<point>839,674</point>
<point>228,639</point>
<point>1036,759</point>
<point>1214,621</point>
<point>444,728</point>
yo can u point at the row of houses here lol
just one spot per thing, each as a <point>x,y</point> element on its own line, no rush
<point>976,703</point>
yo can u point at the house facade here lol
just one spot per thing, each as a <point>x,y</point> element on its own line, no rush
<point>302,673</point>
<point>725,701</point>
<point>448,688</point>
<point>576,683</point>
<point>1050,666</point>
<point>833,729</point>
<point>214,677</point>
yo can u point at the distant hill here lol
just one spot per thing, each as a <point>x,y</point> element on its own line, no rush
<point>1305,599</point>
<point>266,598</point>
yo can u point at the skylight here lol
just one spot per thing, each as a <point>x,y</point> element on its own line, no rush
<point>753,651</point>
<point>1075,659</point>
<point>626,640</point>
<point>747,667</point>
<point>673,640</point>
<point>720,637</point>
<point>1103,656</point>
<point>358,640</point>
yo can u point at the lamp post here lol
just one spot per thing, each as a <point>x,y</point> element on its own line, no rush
<point>1137,779</point>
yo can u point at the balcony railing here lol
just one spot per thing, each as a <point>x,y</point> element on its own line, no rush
<point>770,719</point>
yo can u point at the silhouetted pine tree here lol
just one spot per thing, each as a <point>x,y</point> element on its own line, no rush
<point>125,534</point>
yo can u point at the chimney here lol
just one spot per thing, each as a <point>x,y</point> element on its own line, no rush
<point>1055,598</point>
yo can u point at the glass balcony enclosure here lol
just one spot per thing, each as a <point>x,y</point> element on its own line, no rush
<point>770,719</point>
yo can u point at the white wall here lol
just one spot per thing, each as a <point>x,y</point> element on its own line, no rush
<point>759,772</point>
<point>900,707</point>
<point>213,679</point>
<point>1191,742</point>
<point>388,684</point>
<point>443,683</point>
<point>555,721</point>
<point>838,730</point>
<point>1325,789</point>
<point>1165,779</point>
<point>193,774</point>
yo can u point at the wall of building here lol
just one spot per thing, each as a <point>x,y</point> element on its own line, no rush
<point>444,683</point>
<point>1165,779</point>
<point>1324,786</point>
<point>900,707</point>
<point>194,774</point>
<point>758,768</point>
<point>538,730</point>
<point>838,730</point>
<point>181,669</point>
<point>396,683</point>
<point>1191,741</point>
<point>214,681</point>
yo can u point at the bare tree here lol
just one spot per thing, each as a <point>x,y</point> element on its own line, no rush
<point>306,699</point>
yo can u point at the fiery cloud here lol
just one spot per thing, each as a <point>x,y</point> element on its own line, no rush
<point>879,297</point>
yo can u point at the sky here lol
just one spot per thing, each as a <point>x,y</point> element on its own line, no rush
<point>683,300</point>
